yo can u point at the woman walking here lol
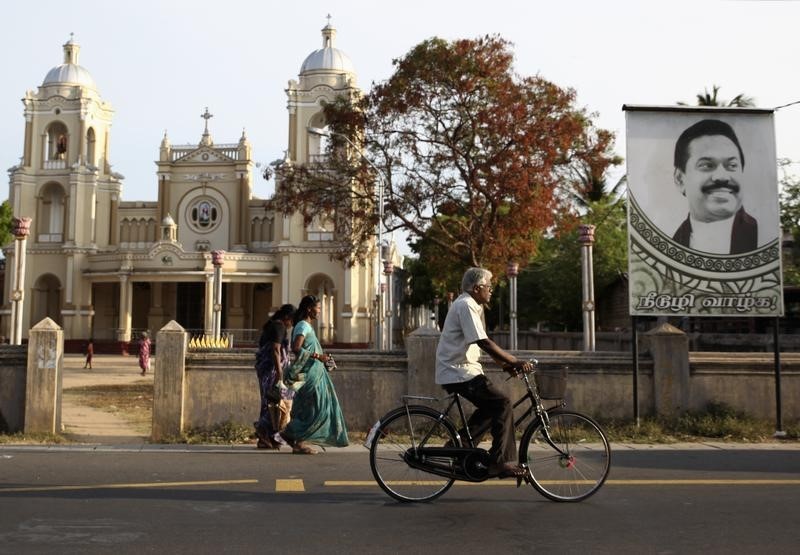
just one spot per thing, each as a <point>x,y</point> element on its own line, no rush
<point>316,414</point>
<point>271,359</point>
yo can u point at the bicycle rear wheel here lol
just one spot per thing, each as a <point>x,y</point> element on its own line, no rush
<point>393,439</point>
<point>577,463</point>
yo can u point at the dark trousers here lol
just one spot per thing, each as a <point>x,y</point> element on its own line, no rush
<point>494,412</point>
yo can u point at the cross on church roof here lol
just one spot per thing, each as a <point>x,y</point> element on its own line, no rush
<point>206,116</point>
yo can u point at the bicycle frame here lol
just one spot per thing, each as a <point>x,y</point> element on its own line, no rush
<point>531,394</point>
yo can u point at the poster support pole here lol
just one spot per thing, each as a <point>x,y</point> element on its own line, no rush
<point>779,431</point>
<point>635,354</point>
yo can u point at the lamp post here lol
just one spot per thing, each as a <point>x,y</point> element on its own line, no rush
<point>217,259</point>
<point>379,255</point>
<point>388,269</point>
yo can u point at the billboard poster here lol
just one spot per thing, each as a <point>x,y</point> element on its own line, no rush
<point>703,212</point>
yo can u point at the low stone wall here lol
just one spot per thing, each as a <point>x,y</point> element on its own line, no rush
<point>13,373</point>
<point>217,387</point>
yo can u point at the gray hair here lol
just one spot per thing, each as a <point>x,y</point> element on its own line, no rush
<point>474,277</point>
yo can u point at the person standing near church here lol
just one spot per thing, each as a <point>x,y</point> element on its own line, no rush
<point>144,352</point>
<point>89,354</point>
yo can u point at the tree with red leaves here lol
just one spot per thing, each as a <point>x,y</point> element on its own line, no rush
<point>471,155</point>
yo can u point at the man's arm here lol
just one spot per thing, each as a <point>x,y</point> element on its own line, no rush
<point>500,356</point>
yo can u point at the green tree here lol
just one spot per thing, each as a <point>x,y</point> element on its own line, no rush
<point>550,288</point>
<point>5,223</point>
<point>790,220</point>
<point>712,99</point>
<point>471,154</point>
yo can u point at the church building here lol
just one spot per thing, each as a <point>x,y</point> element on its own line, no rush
<point>107,269</point>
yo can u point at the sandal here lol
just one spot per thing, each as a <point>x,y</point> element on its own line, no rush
<point>301,449</point>
<point>268,444</point>
<point>509,470</point>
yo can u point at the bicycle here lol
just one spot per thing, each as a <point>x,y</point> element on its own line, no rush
<point>416,452</point>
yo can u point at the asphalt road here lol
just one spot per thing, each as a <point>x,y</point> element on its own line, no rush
<point>239,500</point>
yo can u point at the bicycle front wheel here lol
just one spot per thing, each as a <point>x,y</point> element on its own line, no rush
<point>569,458</point>
<point>398,432</point>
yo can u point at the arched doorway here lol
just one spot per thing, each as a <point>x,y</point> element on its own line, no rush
<point>46,300</point>
<point>321,286</point>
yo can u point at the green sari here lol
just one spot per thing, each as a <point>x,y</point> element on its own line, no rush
<point>316,414</point>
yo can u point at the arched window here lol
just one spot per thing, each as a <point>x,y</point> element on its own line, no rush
<point>57,143</point>
<point>51,214</point>
<point>90,144</point>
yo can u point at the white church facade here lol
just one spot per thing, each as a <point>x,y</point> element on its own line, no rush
<point>106,268</point>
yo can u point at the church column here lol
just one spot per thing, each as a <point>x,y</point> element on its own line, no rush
<point>82,140</point>
<point>244,217</point>
<point>113,221</point>
<point>331,317</point>
<point>26,157</point>
<point>125,306</point>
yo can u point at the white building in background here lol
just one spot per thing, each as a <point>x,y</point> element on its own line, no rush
<point>105,268</point>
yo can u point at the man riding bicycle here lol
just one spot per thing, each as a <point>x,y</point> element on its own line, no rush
<point>458,370</point>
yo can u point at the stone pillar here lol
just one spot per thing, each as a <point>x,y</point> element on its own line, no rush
<point>512,271</point>
<point>21,228</point>
<point>586,239</point>
<point>421,349</point>
<point>44,379</point>
<point>168,382</point>
<point>670,350</point>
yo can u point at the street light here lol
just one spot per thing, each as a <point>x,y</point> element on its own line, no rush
<point>381,185</point>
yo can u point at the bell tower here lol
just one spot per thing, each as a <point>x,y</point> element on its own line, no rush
<point>64,182</point>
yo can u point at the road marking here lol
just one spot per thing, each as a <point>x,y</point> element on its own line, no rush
<point>129,486</point>
<point>289,486</point>
<point>676,482</point>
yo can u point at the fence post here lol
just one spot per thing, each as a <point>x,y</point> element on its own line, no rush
<point>168,382</point>
<point>44,378</point>
<point>669,347</point>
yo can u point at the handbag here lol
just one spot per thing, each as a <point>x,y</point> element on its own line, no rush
<point>274,393</point>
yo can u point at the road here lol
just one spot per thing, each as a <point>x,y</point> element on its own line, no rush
<point>178,499</point>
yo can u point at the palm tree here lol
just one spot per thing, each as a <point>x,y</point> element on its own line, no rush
<point>711,99</point>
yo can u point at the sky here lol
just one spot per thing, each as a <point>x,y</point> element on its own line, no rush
<point>160,63</point>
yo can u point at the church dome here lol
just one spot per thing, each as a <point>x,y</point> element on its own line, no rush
<point>70,73</point>
<point>328,58</point>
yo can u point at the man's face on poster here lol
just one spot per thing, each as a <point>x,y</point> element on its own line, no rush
<point>712,179</point>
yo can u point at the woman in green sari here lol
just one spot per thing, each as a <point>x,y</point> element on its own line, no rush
<point>316,414</point>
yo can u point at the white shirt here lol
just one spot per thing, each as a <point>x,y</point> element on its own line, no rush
<point>457,354</point>
<point>714,237</point>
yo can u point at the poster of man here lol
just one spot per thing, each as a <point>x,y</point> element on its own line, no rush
<point>703,212</point>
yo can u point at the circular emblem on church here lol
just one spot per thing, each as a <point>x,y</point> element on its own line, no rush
<point>205,156</point>
<point>204,214</point>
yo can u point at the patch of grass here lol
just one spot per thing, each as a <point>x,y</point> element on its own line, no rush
<point>133,402</point>
<point>223,434</point>
<point>719,421</point>
<point>20,438</point>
